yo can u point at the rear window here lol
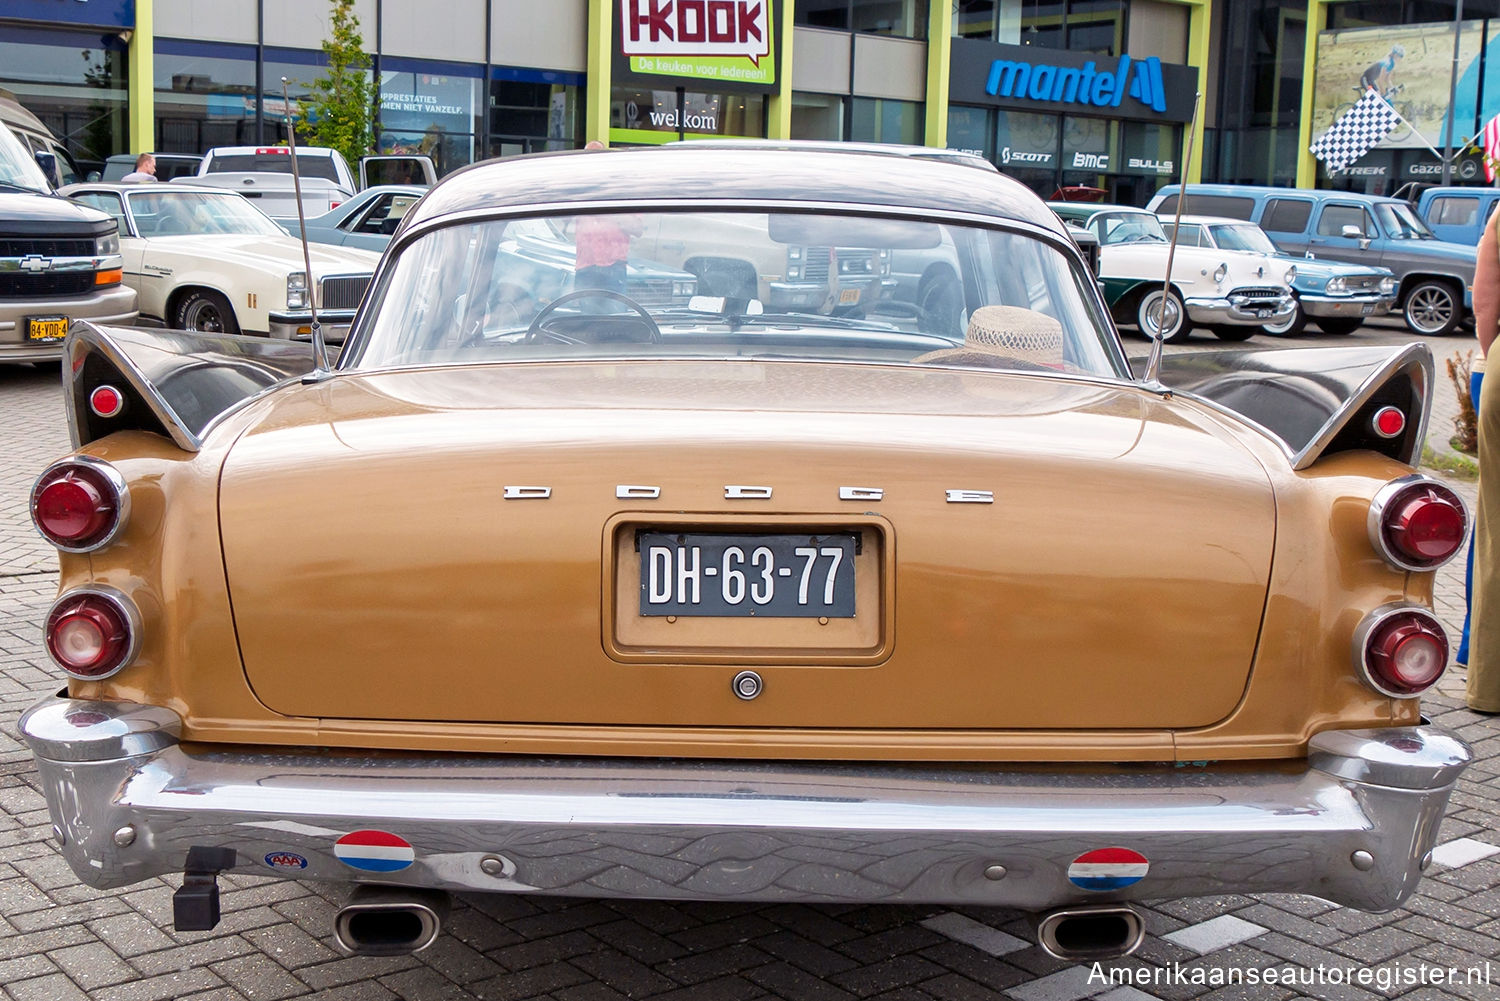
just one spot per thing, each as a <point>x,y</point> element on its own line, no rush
<point>1223,205</point>
<point>1286,215</point>
<point>1453,210</point>
<point>277,163</point>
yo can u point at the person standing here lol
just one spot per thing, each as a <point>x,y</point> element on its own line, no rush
<point>145,170</point>
<point>1483,692</point>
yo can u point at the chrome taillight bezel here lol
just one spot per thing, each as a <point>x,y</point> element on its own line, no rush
<point>112,480</point>
<point>1379,617</point>
<point>1381,504</point>
<point>121,603</point>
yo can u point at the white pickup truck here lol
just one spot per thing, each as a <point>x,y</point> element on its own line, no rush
<point>264,175</point>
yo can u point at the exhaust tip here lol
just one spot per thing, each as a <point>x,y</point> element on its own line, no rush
<point>389,920</point>
<point>1094,932</point>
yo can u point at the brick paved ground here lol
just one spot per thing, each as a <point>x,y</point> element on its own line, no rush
<point>59,940</point>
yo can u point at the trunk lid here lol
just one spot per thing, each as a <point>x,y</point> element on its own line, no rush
<point>377,570</point>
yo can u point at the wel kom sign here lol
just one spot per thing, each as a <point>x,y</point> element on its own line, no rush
<point>731,43</point>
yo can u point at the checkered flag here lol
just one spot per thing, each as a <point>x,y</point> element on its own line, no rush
<point>1356,132</point>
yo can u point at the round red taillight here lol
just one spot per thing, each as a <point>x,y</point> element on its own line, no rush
<point>1388,422</point>
<point>1417,523</point>
<point>1403,651</point>
<point>79,504</point>
<point>106,401</point>
<point>90,634</point>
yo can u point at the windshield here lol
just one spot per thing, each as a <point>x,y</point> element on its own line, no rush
<point>160,211</point>
<point>1129,227</point>
<point>735,284</point>
<point>1402,223</point>
<point>1243,237</point>
<point>18,168</point>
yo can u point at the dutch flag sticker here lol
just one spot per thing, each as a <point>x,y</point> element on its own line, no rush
<point>1108,869</point>
<point>374,851</point>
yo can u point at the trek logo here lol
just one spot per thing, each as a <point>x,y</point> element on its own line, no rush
<point>1087,86</point>
<point>696,28</point>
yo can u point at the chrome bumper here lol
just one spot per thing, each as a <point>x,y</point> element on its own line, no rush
<point>1239,309</point>
<point>298,326</point>
<point>129,801</point>
<point>1347,305</point>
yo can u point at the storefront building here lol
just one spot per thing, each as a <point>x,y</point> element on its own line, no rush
<point>1063,94</point>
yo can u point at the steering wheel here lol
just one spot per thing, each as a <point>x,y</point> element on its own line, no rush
<point>538,323</point>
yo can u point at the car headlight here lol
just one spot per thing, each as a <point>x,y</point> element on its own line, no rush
<point>682,289</point>
<point>1290,276</point>
<point>107,246</point>
<point>794,272</point>
<point>1387,285</point>
<point>794,253</point>
<point>1221,272</point>
<point>296,290</point>
<point>1336,285</point>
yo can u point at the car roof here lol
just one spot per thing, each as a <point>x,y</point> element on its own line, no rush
<point>1207,220</point>
<point>243,150</point>
<point>1087,210</point>
<point>126,187</point>
<point>714,176</point>
<point>837,146</point>
<point>1259,190</point>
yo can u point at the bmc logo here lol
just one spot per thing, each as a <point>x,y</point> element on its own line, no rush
<point>1091,161</point>
<point>696,28</point>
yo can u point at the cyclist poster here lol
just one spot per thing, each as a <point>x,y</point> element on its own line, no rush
<point>1411,66</point>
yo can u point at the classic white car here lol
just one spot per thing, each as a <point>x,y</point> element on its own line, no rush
<point>202,259</point>
<point>1233,295</point>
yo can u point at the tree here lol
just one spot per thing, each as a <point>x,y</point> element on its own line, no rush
<point>339,115</point>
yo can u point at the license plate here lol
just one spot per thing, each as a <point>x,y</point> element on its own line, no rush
<point>1264,314</point>
<point>1367,309</point>
<point>848,296</point>
<point>743,575</point>
<point>46,328</point>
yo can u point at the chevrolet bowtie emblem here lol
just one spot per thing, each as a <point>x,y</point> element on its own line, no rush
<point>36,262</point>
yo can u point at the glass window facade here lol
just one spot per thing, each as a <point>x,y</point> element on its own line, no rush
<point>1080,25</point>
<point>532,115</point>
<point>205,96</point>
<point>430,108</point>
<point>74,81</point>
<point>899,18</point>
<point>874,119</point>
<point>663,115</point>
<point>817,116</point>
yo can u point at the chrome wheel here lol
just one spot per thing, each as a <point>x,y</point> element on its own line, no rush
<point>1432,309</point>
<point>1289,327</point>
<point>1171,320</point>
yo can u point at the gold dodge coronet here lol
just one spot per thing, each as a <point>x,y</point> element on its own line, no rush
<point>912,596</point>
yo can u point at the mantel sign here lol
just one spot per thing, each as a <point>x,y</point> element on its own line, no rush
<point>732,44</point>
<point>1030,78</point>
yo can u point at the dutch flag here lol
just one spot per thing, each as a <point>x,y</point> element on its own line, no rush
<point>1108,869</point>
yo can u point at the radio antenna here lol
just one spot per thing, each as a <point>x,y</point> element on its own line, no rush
<point>1153,364</point>
<point>321,369</point>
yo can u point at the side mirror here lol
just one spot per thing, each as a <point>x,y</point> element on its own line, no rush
<point>92,176</point>
<point>1352,232</point>
<point>48,162</point>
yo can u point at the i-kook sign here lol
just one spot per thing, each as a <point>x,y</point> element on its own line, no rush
<point>728,41</point>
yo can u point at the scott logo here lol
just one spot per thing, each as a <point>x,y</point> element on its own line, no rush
<point>696,27</point>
